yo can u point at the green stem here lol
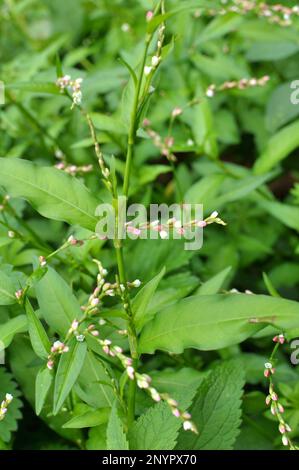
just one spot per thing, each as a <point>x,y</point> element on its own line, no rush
<point>133,120</point>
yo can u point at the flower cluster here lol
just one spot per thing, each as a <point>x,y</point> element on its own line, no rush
<point>74,169</point>
<point>180,227</point>
<point>272,398</point>
<point>74,86</point>
<point>102,289</point>
<point>237,84</point>
<point>164,145</point>
<point>57,349</point>
<point>4,405</point>
<point>144,382</point>
<point>156,58</point>
<point>277,14</point>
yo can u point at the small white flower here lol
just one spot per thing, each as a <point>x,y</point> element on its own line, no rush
<point>136,283</point>
<point>80,338</point>
<point>163,234</point>
<point>130,372</point>
<point>210,93</point>
<point>125,27</point>
<point>155,60</point>
<point>268,365</point>
<point>147,70</point>
<point>187,425</point>
<point>8,398</point>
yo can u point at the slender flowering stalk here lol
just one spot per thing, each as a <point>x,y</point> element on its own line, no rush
<point>173,224</point>
<point>74,86</point>
<point>4,405</point>
<point>74,170</point>
<point>272,399</point>
<point>242,84</point>
<point>144,382</point>
<point>276,14</point>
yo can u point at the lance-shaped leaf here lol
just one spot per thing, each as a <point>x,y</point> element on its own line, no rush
<point>210,322</point>
<point>58,305</point>
<point>142,300</point>
<point>53,193</point>
<point>43,383</point>
<point>38,336</point>
<point>9,329</point>
<point>7,289</point>
<point>69,367</point>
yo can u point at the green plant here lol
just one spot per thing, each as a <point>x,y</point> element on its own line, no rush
<point>168,365</point>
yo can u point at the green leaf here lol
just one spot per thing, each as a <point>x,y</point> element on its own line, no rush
<point>215,321</point>
<point>7,289</point>
<point>271,289</point>
<point>263,51</point>
<point>9,329</point>
<point>280,110</point>
<point>58,305</point>
<point>204,191</point>
<point>156,429</point>
<point>285,213</point>
<point>116,437</point>
<point>242,188</point>
<point>69,367</point>
<point>278,148</point>
<point>97,438</point>
<point>216,409</point>
<point>187,5</point>
<point>53,193</point>
<point>220,26</point>
<point>130,69</point>
<point>142,300</point>
<point>213,285</point>
<point>43,383</point>
<point>40,88</point>
<point>88,418</point>
<point>90,386</point>
<point>107,123</point>
<point>38,336</point>
<point>10,423</point>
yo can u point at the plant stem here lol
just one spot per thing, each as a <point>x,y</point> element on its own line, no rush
<point>133,120</point>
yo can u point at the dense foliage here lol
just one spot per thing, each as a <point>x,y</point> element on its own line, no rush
<point>140,343</point>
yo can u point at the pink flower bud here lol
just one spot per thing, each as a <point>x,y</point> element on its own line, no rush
<point>176,412</point>
<point>282,428</point>
<point>280,408</point>
<point>176,112</point>
<point>130,372</point>
<point>149,15</point>
<point>268,400</point>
